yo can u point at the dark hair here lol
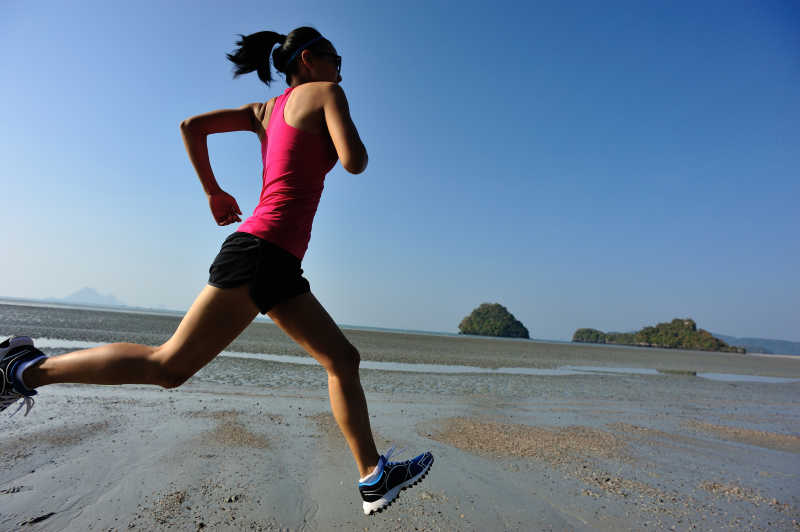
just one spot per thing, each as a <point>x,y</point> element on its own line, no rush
<point>254,51</point>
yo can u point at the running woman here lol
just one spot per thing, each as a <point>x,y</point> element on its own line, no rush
<point>303,132</point>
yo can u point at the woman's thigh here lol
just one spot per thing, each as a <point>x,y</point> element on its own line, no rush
<point>215,319</point>
<point>307,322</point>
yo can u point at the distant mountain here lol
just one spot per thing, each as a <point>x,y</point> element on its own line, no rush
<point>680,333</point>
<point>90,296</point>
<point>763,345</point>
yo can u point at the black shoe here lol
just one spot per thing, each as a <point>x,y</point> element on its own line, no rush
<point>13,351</point>
<point>395,476</point>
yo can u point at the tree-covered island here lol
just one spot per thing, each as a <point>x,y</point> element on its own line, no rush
<point>677,334</point>
<point>492,319</point>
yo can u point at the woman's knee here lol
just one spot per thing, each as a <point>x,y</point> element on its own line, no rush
<point>168,372</point>
<point>344,363</point>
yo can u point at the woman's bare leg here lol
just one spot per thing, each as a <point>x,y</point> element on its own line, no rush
<point>215,319</point>
<point>305,320</point>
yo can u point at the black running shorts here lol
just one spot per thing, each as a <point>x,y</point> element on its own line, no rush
<point>274,274</point>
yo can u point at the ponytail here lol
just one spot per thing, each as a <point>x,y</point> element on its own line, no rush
<point>254,51</point>
<point>253,54</point>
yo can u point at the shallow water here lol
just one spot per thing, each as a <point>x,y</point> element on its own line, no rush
<point>60,345</point>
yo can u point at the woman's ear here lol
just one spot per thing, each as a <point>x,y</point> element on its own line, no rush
<point>306,59</point>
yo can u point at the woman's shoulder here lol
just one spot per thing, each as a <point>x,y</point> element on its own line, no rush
<point>316,95</point>
<point>262,112</point>
<point>318,88</point>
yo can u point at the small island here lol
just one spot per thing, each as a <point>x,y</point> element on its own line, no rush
<point>678,334</point>
<point>492,319</point>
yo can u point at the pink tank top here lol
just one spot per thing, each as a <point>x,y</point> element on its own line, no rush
<point>295,164</point>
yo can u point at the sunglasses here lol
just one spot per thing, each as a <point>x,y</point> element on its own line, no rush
<point>336,58</point>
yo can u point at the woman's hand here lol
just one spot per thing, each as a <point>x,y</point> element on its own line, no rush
<point>224,208</point>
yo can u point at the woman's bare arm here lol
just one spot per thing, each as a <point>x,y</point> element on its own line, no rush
<point>351,151</point>
<point>197,128</point>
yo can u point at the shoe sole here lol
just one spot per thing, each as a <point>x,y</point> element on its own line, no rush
<point>394,493</point>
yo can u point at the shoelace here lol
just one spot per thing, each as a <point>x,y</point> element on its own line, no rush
<point>9,399</point>
<point>389,454</point>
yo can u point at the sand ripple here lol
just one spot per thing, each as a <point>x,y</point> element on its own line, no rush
<point>552,445</point>
<point>760,438</point>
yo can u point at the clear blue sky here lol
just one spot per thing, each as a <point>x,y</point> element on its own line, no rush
<point>586,164</point>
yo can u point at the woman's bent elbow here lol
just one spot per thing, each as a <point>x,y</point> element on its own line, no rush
<point>355,165</point>
<point>354,169</point>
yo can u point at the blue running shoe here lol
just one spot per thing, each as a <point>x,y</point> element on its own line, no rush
<point>14,351</point>
<point>395,476</point>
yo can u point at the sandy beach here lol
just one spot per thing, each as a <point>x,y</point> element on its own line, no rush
<point>251,445</point>
<point>580,453</point>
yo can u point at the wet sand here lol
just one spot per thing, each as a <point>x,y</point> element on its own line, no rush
<point>251,445</point>
<point>587,453</point>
